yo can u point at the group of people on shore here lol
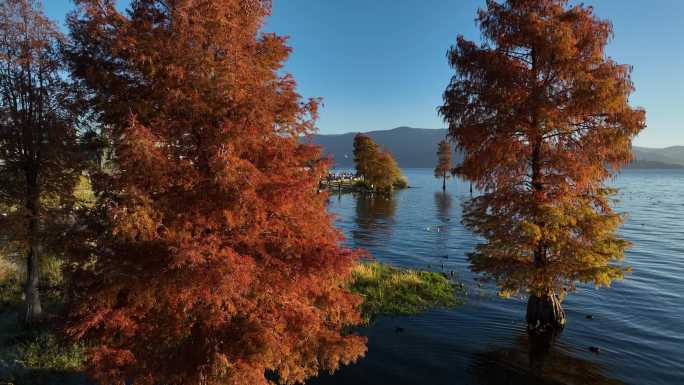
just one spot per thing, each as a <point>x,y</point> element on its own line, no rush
<point>337,176</point>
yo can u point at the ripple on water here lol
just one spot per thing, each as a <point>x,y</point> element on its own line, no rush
<point>637,323</point>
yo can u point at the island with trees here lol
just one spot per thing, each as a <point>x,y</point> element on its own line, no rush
<point>376,167</point>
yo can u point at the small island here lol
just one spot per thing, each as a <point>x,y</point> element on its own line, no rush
<point>376,171</point>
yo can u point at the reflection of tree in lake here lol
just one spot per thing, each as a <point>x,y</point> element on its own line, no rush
<point>443,212</point>
<point>535,363</point>
<point>374,218</point>
<point>443,206</point>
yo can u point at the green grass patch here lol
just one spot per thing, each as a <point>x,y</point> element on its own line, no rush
<point>45,352</point>
<point>37,356</point>
<point>390,290</point>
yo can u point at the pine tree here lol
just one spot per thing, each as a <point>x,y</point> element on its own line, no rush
<point>542,117</point>
<point>210,258</point>
<point>444,162</point>
<point>39,163</point>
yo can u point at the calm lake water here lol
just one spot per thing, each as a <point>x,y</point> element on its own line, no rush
<point>638,323</point>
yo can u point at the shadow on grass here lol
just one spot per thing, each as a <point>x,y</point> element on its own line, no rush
<point>24,376</point>
<point>37,356</point>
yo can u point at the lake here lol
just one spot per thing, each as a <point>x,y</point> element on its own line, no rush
<point>638,323</point>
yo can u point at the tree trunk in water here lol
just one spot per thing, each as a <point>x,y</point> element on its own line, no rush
<point>540,345</point>
<point>444,183</point>
<point>544,313</point>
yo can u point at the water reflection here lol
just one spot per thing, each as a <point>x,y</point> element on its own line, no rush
<point>443,203</point>
<point>374,219</point>
<point>535,362</point>
<point>639,334</point>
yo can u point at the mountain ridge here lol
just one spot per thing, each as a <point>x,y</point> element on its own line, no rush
<point>417,148</point>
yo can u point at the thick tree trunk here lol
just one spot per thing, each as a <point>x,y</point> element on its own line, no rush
<point>544,313</point>
<point>32,306</point>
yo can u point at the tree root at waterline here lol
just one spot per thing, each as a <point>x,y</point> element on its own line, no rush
<point>544,313</point>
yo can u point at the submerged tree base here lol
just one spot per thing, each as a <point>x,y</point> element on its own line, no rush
<point>544,314</point>
<point>390,290</point>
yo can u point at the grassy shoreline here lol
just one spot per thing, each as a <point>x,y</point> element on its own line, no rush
<point>40,356</point>
<point>388,290</point>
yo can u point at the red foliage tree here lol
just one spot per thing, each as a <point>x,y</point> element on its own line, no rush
<point>39,163</point>
<point>377,166</point>
<point>543,119</point>
<point>444,163</point>
<point>365,153</point>
<point>211,259</point>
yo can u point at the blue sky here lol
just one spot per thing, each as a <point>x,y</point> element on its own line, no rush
<point>381,64</point>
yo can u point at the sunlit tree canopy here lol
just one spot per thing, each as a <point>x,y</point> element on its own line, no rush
<point>542,116</point>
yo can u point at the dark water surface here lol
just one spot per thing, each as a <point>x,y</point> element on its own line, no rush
<point>638,323</point>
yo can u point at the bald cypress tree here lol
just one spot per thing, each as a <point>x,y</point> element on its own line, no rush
<point>210,258</point>
<point>365,153</point>
<point>444,162</point>
<point>542,117</point>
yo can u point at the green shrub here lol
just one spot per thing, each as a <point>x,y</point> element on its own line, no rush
<point>83,192</point>
<point>45,351</point>
<point>401,182</point>
<point>361,183</point>
<point>10,281</point>
<point>51,278</point>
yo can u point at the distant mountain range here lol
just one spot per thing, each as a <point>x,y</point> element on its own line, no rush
<point>411,147</point>
<point>417,147</point>
<point>668,156</point>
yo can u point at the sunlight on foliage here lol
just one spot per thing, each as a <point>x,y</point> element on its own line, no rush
<point>46,352</point>
<point>84,192</point>
<point>209,256</point>
<point>10,280</point>
<point>377,167</point>
<point>542,118</point>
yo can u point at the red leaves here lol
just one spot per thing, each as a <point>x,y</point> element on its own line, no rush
<point>377,166</point>
<point>219,260</point>
<point>444,165</point>
<point>543,119</point>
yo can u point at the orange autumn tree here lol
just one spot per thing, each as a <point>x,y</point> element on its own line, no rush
<point>376,166</point>
<point>384,173</point>
<point>210,258</point>
<point>542,117</point>
<point>444,162</point>
<point>365,153</point>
